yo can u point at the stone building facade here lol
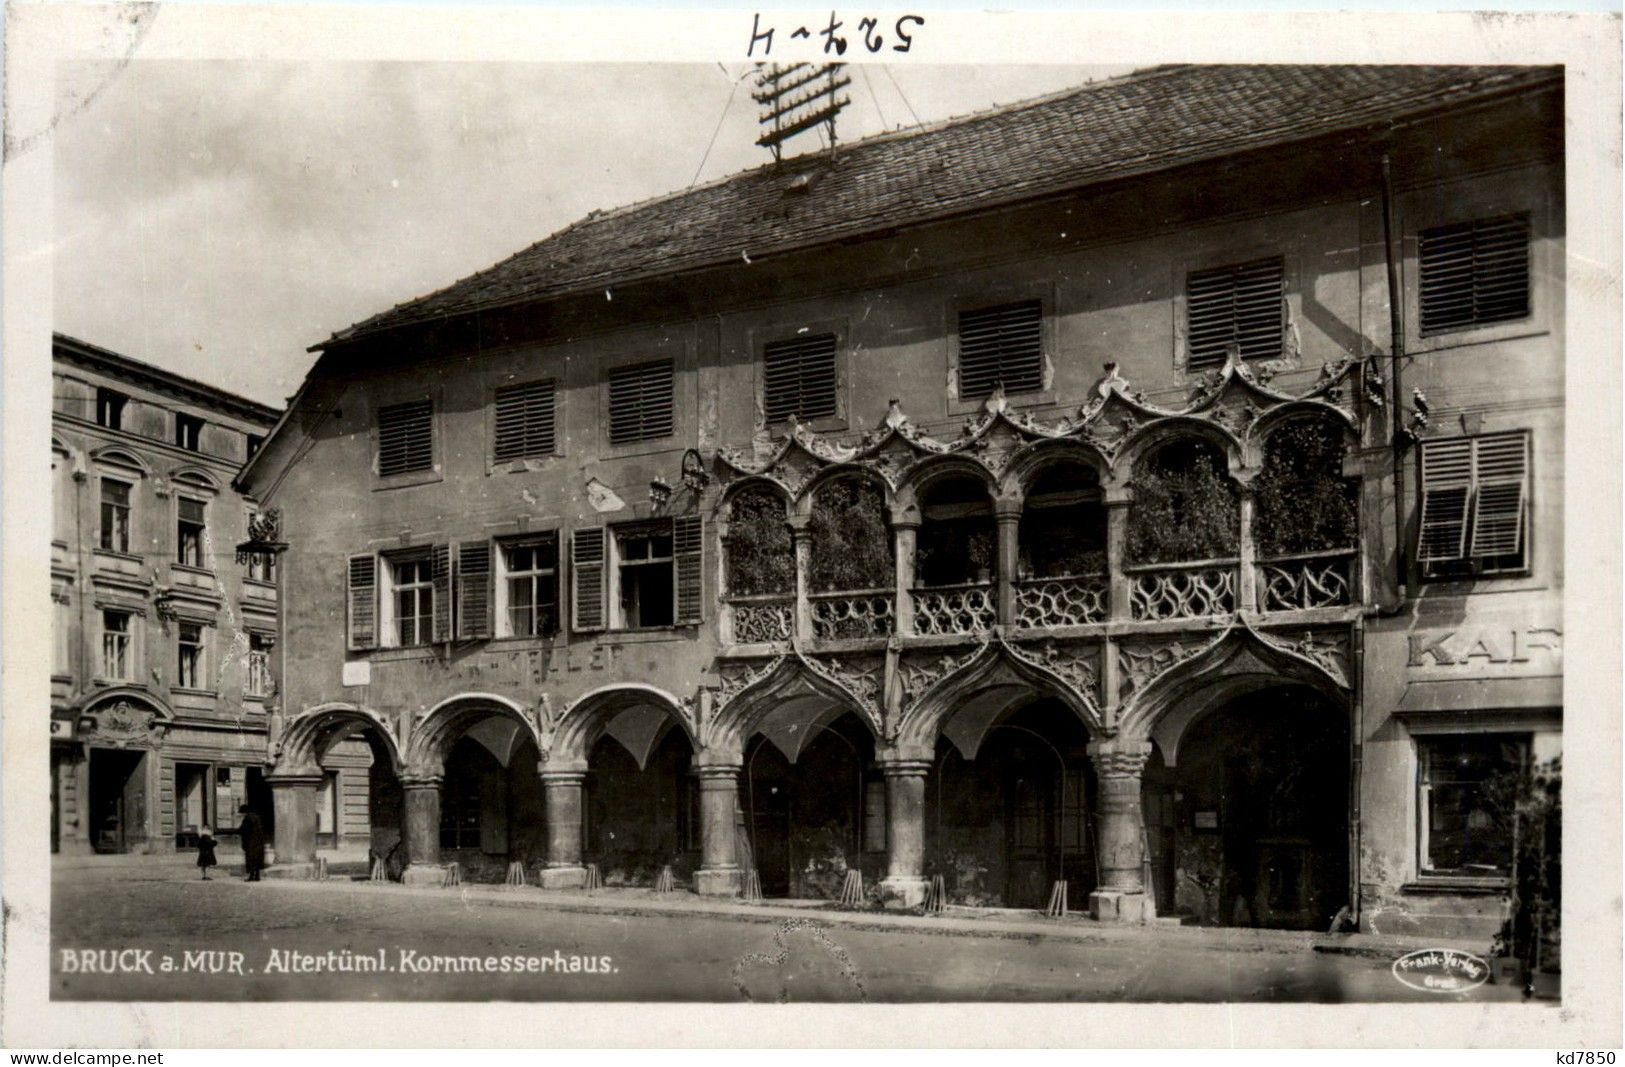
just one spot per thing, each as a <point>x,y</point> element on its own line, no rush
<point>161,679</point>
<point>1155,489</point>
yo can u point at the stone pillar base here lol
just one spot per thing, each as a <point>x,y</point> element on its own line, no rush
<point>719,882</point>
<point>424,874</point>
<point>903,892</point>
<point>1117,906</point>
<point>564,877</point>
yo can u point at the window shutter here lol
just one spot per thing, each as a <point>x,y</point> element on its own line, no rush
<point>1473,272</point>
<point>640,402</point>
<point>440,574</point>
<point>525,420</point>
<point>1241,305</point>
<point>406,438</point>
<point>363,602</point>
<point>688,550</point>
<point>1447,476</point>
<point>587,576</point>
<point>474,589</point>
<point>1501,464</point>
<point>1001,344</point>
<point>798,378</point>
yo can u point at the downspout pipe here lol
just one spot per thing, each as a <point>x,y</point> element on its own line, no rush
<point>1396,359</point>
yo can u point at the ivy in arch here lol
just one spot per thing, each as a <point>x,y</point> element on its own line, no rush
<point>761,555</point>
<point>851,542</point>
<point>1185,506</point>
<point>1302,501</point>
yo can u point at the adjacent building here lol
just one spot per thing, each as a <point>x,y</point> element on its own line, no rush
<point>161,676</point>
<point>1150,494</point>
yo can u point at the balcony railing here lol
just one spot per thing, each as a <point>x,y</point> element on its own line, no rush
<point>762,619</point>
<point>1182,590</point>
<point>1307,580</point>
<point>955,609</point>
<point>858,613</point>
<point>1063,600</point>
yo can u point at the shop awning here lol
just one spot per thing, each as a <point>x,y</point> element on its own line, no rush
<point>1481,694</point>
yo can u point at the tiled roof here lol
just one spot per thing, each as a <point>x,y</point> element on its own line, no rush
<point>1142,122</point>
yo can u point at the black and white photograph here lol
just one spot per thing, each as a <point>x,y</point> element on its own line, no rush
<point>833,522</point>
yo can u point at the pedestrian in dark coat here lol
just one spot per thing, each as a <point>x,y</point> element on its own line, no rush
<point>252,835</point>
<point>205,852</point>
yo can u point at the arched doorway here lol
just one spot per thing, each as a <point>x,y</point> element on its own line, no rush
<point>641,819</point>
<point>1249,825</point>
<point>347,766</point>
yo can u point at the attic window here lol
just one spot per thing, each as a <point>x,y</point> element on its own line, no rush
<point>1474,273</point>
<point>1001,344</point>
<point>641,402</point>
<point>406,438</point>
<point>799,378</point>
<point>1237,305</point>
<point>188,431</point>
<point>525,420</point>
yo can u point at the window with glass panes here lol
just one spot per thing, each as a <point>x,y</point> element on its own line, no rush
<point>1468,787</point>
<point>413,591</point>
<point>531,587</point>
<point>258,683</point>
<point>115,644</point>
<point>189,528</point>
<point>115,515</point>
<point>644,556</point>
<point>189,669</point>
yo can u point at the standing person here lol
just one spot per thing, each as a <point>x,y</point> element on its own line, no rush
<point>205,851</point>
<point>252,835</point>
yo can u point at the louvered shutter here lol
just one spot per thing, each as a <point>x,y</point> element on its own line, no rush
<point>1241,305</point>
<point>1473,272</point>
<point>1501,463</point>
<point>474,589</point>
<point>688,551</point>
<point>640,402</point>
<point>440,575</point>
<point>1447,479</point>
<point>587,580</point>
<point>799,378</point>
<point>1001,344</point>
<point>363,602</point>
<point>406,437</point>
<point>525,420</point>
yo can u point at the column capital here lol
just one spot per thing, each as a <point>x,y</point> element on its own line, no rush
<point>904,767</point>
<point>1006,510</point>
<point>718,772</point>
<point>558,777</point>
<point>421,781</point>
<point>1119,759</point>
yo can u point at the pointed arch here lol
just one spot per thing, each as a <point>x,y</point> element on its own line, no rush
<point>919,479</point>
<point>442,725</point>
<point>1147,439</point>
<point>596,712</point>
<point>1258,434</point>
<point>308,736</point>
<point>1027,465</point>
<point>791,693</point>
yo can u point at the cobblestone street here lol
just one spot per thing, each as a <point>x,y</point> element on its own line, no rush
<point>807,955</point>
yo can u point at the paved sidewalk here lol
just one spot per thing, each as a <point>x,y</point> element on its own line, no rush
<point>229,855</point>
<point>957,921</point>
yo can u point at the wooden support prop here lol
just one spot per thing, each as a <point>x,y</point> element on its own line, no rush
<point>1057,899</point>
<point>593,879</point>
<point>753,887</point>
<point>666,883</point>
<point>852,890</point>
<point>936,895</point>
<point>516,874</point>
<point>318,872</point>
<point>454,875</point>
<point>380,873</point>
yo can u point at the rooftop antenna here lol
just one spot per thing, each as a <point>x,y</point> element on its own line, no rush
<point>798,98</point>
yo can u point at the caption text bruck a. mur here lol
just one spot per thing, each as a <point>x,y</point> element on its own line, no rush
<point>333,961</point>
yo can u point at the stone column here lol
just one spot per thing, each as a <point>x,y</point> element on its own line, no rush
<point>422,830</point>
<point>801,537</point>
<point>904,885</point>
<point>1117,582</point>
<point>1008,515</point>
<point>1120,897</point>
<point>293,798</point>
<point>564,799</point>
<point>1247,576</point>
<point>904,535</point>
<point>719,874</point>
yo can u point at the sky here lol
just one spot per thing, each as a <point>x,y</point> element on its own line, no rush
<point>218,218</point>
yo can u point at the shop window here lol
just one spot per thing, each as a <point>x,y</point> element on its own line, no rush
<point>641,402</point>
<point>1475,498</point>
<point>1474,273</point>
<point>1001,345</point>
<point>406,438</point>
<point>110,408</point>
<point>1239,305</point>
<point>189,532</point>
<point>524,421</point>
<point>188,431</point>
<point>798,378</point>
<point>529,587</point>
<point>116,644</point>
<point>189,642</point>
<point>1468,787</point>
<point>115,530</point>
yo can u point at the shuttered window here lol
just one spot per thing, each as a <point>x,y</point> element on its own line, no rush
<point>474,589</point>
<point>1475,493</point>
<point>1001,345</point>
<point>587,574</point>
<point>687,542</point>
<point>363,602</point>
<point>406,438</point>
<point>525,420</point>
<point>799,378</point>
<point>1239,305</point>
<point>440,576</point>
<point>1474,273</point>
<point>640,402</point>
